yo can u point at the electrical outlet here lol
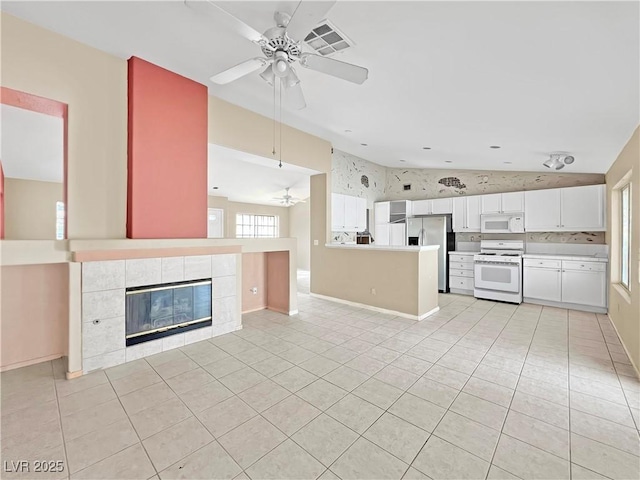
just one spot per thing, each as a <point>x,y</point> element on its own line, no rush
<point>254,290</point>
<point>373,291</point>
<point>315,243</point>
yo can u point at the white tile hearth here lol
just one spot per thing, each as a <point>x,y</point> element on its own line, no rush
<point>103,304</point>
<point>212,410</point>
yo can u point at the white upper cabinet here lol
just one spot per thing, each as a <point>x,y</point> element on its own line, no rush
<point>565,209</point>
<point>512,202</point>
<point>583,208</point>
<point>466,214</point>
<point>348,214</point>
<point>422,207</point>
<point>491,203</point>
<point>441,206</point>
<point>542,210</point>
<point>382,212</point>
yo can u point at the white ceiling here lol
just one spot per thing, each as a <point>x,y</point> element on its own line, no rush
<point>532,77</point>
<point>247,178</point>
<point>32,145</point>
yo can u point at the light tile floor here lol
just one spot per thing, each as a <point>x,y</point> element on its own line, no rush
<point>479,390</point>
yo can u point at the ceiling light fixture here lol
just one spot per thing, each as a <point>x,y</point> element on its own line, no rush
<point>448,161</point>
<point>558,161</point>
<point>508,163</point>
<point>402,161</point>
<point>495,146</point>
<point>364,144</point>
<point>347,131</point>
<point>426,148</point>
<point>268,75</point>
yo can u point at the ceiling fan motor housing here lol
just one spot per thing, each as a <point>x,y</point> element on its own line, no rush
<point>279,41</point>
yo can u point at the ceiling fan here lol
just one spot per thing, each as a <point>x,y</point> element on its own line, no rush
<point>282,48</point>
<point>288,200</point>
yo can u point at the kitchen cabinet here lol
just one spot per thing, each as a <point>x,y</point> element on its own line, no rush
<point>390,234</point>
<point>543,281</point>
<point>566,282</point>
<point>348,213</point>
<point>381,212</point>
<point>436,206</point>
<point>568,209</point>
<point>466,214</point>
<point>461,273</point>
<point>512,202</point>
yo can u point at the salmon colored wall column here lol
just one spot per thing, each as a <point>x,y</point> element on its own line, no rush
<point>1,202</point>
<point>278,281</point>
<point>167,174</point>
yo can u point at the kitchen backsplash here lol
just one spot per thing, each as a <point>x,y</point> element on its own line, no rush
<point>351,175</point>
<point>587,238</point>
<point>343,237</point>
<point>432,183</point>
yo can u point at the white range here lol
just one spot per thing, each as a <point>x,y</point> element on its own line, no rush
<point>498,270</point>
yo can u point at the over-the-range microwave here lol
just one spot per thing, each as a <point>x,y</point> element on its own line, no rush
<point>502,223</point>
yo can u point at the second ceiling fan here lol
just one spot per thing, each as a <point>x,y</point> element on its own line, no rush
<point>281,49</point>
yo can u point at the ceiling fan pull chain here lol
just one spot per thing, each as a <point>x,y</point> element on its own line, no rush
<point>280,126</point>
<point>273,151</point>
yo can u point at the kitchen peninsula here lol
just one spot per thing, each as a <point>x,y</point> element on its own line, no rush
<point>401,280</point>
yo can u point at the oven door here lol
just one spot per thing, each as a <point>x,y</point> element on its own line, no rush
<point>501,277</point>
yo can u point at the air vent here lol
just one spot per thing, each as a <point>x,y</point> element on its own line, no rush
<point>406,187</point>
<point>326,39</point>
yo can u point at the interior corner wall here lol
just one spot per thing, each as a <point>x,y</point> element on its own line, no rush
<point>94,86</point>
<point>167,158</point>
<point>34,307</point>
<point>300,228</point>
<point>231,209</point>
<point>625,313</point>
<point>31,212</point>
<point>254,275</point>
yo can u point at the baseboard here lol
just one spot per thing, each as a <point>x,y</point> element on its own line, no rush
<point>461,292</point>
<point>282,310</point>
<point>254,310</point>
<point>570,306</point>
<point>71,375</point>
<point>26,363</point>
<point>375,309</point>
<point>635,367</point>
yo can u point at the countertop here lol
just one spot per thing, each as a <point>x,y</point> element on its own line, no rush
<point>568,256</point>
<point>392,248</point>
<point>465,252</point>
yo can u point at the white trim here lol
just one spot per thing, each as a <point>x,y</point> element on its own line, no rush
<point>622,291</point>
<point>570,306</point>
<point>375,309</point>
<point>461,292</point>
<point>293,312</point>
<point>635,367</point>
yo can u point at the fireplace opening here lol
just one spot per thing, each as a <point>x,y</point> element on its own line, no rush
<point>157,311</point>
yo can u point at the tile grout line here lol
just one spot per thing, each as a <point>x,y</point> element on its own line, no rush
<point>64,443</point>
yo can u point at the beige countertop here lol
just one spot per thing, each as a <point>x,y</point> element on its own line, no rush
<point>568,256</point>
<point>391,248</point>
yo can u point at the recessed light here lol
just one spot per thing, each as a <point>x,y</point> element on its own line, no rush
<point>347,131</point>
<point>214,188</point>
<point>495,146</point>
<point>508,163</point>
<point>402,161</point>
<point>448,161</point>
<point>426,148</point>
<point>364,144</point>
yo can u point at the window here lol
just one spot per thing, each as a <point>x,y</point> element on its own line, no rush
<point>60,220</point>
<point>256,226</point>
<point>625,234</point>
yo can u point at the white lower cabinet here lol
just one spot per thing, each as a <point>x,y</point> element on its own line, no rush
<point>381,234</point>
<point>461,273</point>
<point>397,235</point>
<point>566,282</point>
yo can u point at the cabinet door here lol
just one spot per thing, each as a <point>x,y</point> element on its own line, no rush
<point>361,214</point>
<point>584,287</point>
<point>473,214</point>
<point>381,234</point>
<point>350,213</point>
<point>421,207</point>
<point>542,210</point>
<point>513,202</point>
<point>337,212</point>
<point>397,234</point>
<point>583,208</point>
<point>440,206</point>
<point>459,214</point>
<point>381,212</point>
<point>542,283</point>
<point>491,203</point>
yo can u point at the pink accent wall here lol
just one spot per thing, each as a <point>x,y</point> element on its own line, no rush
<point>278,281</point>
<point>35,313</point>
<point>254,274</point>
<point>167,154</point>
<point>1,201</point>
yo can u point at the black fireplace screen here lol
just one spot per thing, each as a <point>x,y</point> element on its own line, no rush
<point>161,310</point>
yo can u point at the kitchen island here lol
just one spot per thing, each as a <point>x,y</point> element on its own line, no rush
<point>400,280</point>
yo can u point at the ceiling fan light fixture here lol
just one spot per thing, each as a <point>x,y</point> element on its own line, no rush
<point>268,75</point>
<point>280,65</point>
<point>290,80</point>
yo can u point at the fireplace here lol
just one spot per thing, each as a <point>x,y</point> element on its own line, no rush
<point>157,311</point>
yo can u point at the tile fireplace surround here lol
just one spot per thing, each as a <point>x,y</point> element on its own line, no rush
<point>103,303</point>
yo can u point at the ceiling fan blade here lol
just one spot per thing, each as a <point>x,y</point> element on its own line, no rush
<point>295,97</point>
<point>336,68</point>
<point>240,70</point>
<point>233,22</point>
<point>307,15</point>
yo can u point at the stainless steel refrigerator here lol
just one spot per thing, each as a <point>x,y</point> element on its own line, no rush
<point>434,230</point>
